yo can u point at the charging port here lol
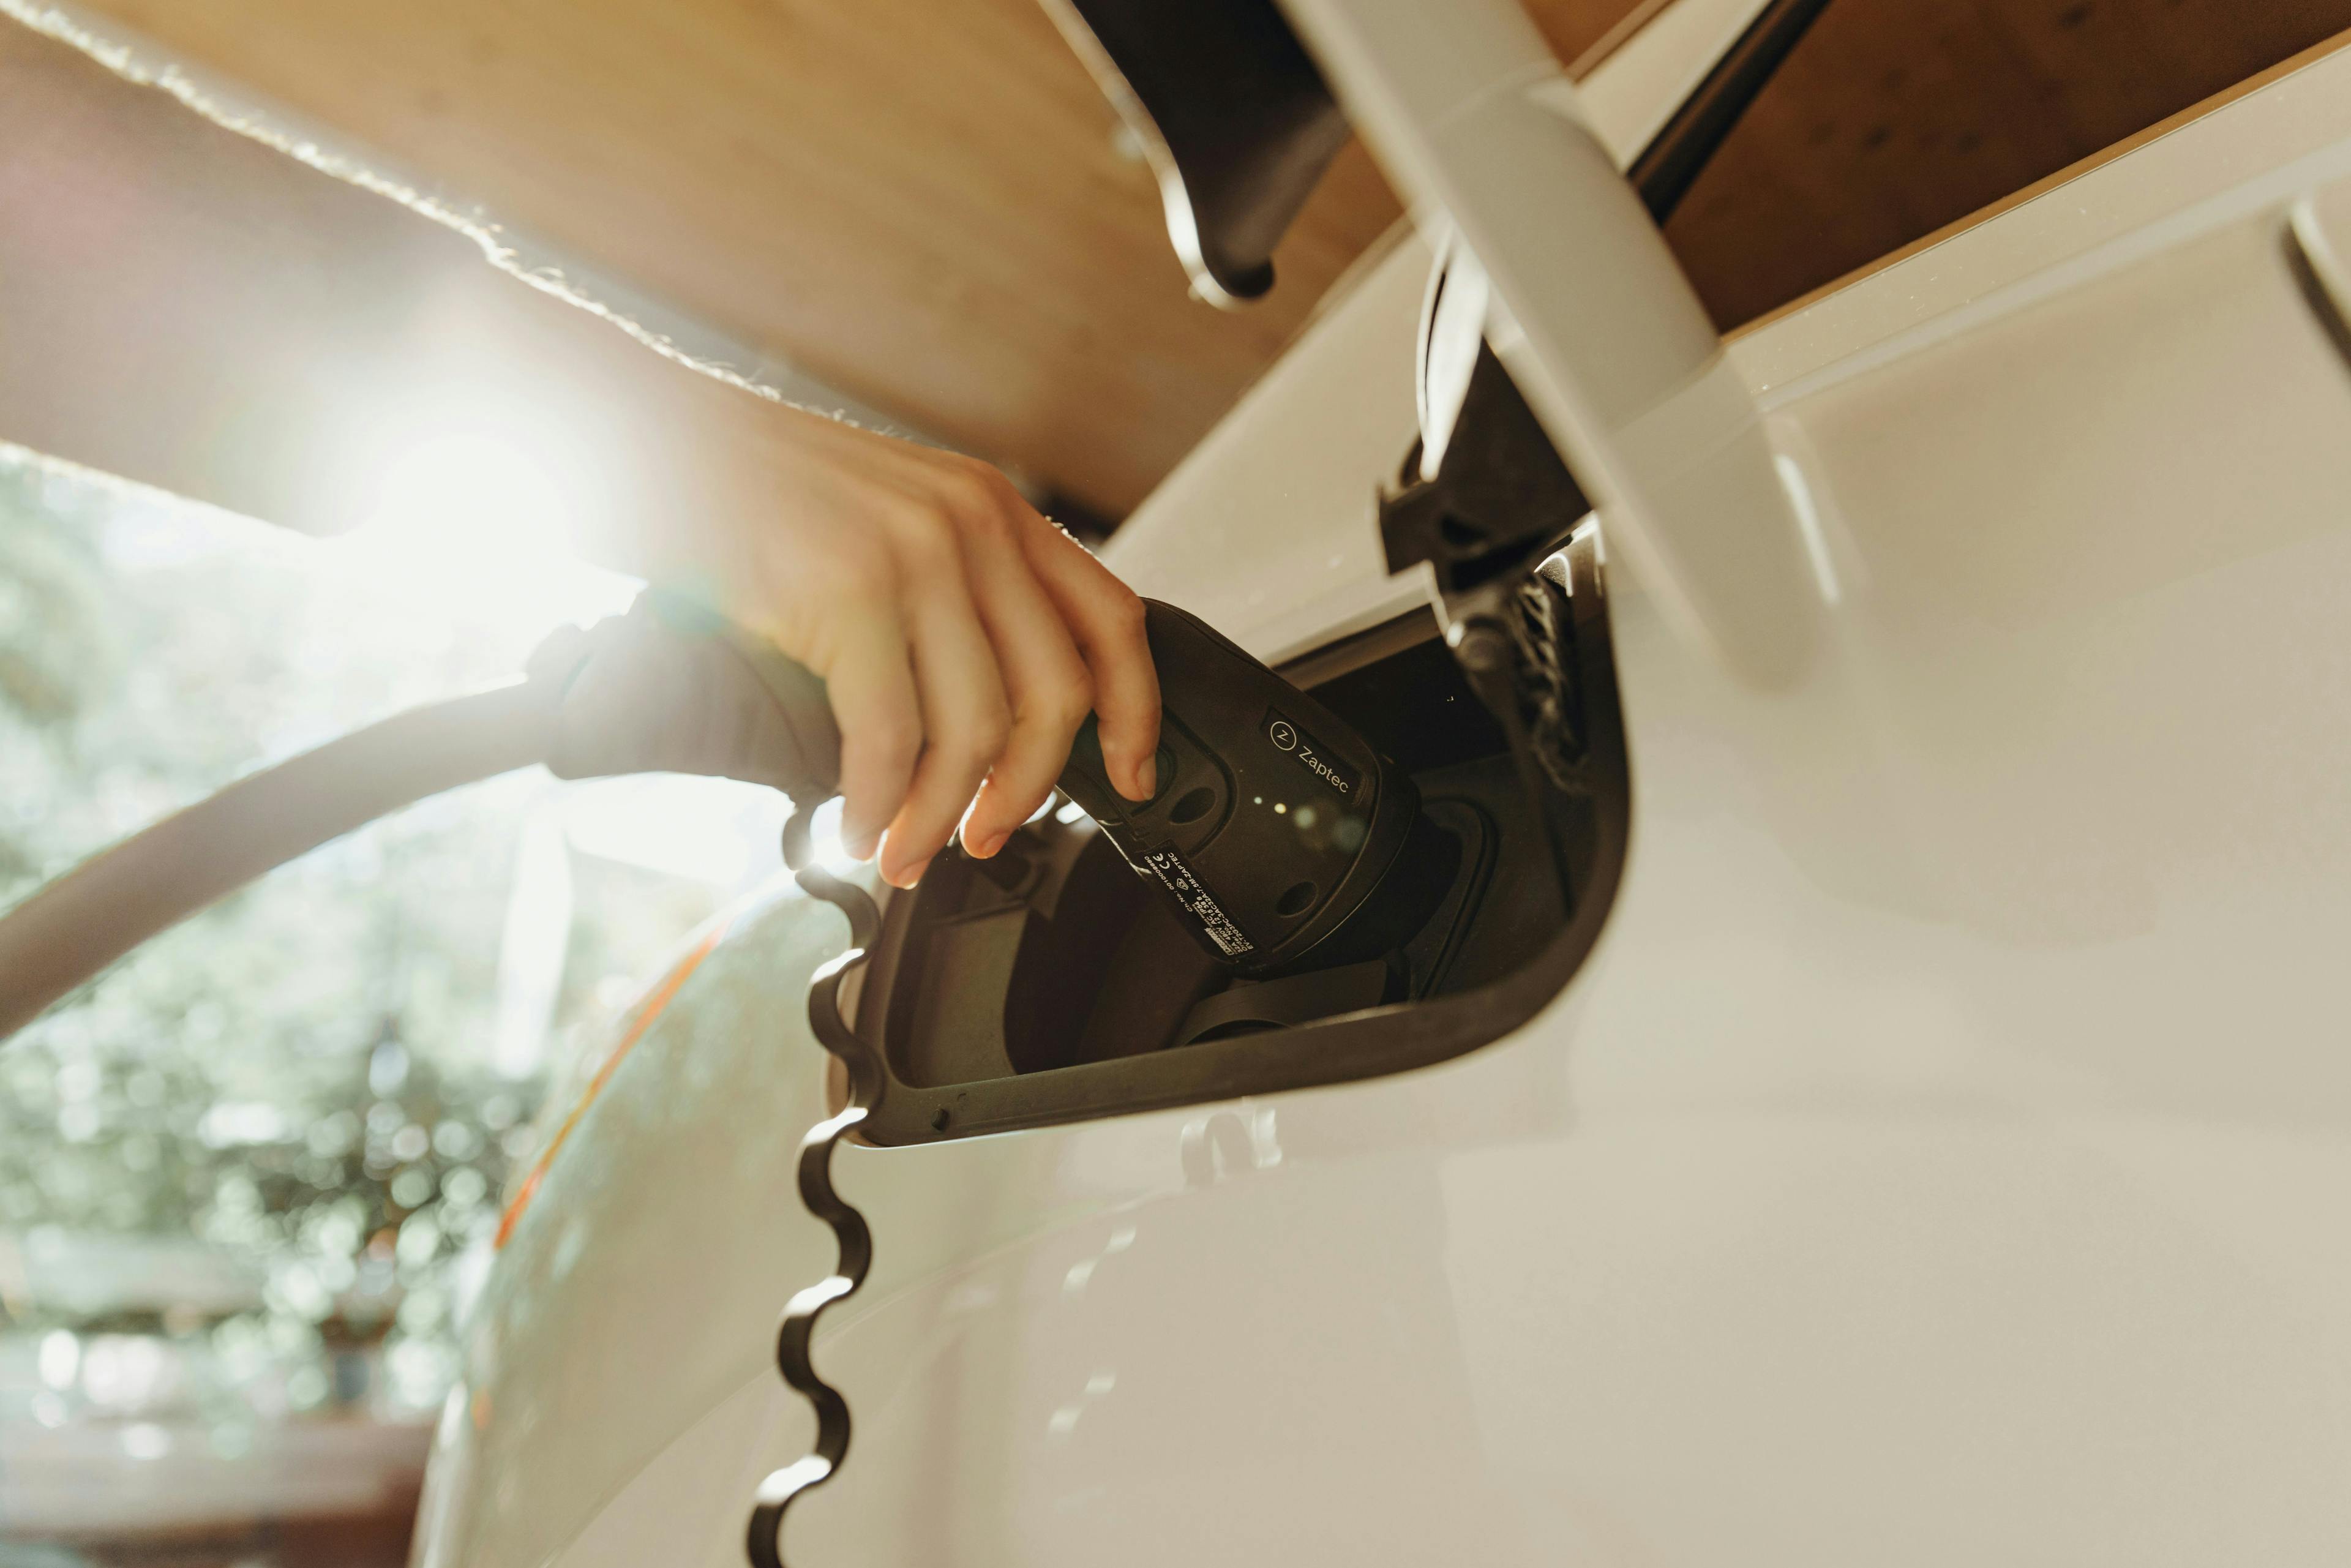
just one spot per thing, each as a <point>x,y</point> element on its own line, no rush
<point>1051,983</point>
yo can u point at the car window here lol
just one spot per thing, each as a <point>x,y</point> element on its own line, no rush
<point>1895,118</point>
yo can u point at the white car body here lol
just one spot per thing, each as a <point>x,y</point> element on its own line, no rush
<point>1940,1159</point>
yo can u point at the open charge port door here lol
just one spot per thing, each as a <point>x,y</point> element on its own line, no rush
<point>1054,982</point>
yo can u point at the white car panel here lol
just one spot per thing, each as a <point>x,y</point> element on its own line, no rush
<point>1939,1160</point>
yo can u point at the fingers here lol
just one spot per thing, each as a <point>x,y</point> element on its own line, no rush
<point>962,637</point>
<point>870,683</point>
<point>965,713</point>
<point>1105,618</point>
<point>1046,681</point>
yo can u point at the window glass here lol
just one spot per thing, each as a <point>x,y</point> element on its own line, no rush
<point>1894,118</point>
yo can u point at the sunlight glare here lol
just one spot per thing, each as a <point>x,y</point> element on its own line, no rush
<point>474,509</point>
<point>824,838</point>
<point>712,831</point>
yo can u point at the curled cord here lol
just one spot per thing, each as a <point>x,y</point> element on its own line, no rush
<point>856,1241</point>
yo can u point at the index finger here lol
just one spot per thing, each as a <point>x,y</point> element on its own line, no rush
<point>1105,620</point>
<point>871,681</point>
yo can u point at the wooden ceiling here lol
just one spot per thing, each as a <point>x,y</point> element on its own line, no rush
<point>1895,118</point>
<point>922,202</point>
<point>918,201</point>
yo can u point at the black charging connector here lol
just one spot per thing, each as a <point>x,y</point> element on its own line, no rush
<point>1282,837</point>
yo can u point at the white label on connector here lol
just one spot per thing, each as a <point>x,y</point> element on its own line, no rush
<point>1194,899</point>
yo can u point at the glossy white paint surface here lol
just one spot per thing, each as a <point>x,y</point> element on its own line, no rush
<point>1941,1159</point>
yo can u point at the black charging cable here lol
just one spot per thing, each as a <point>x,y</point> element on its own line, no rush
<point>665,688</point>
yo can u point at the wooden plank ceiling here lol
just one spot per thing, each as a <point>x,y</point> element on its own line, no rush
<point>1895,118</point>
<point>922,202</point>
<point>919,201</point>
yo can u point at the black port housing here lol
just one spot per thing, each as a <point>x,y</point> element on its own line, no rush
<point>1052,984</point>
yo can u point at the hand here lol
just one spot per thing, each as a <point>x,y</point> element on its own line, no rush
<point>963,637</point>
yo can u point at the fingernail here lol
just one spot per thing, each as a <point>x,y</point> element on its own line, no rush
<point>1146,776</point>
<point>985,846</point>
<point>907,876</point>
<point>860,842</point>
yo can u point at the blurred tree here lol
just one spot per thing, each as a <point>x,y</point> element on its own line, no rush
<point>53,647</point>
<point>298,1075</point>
